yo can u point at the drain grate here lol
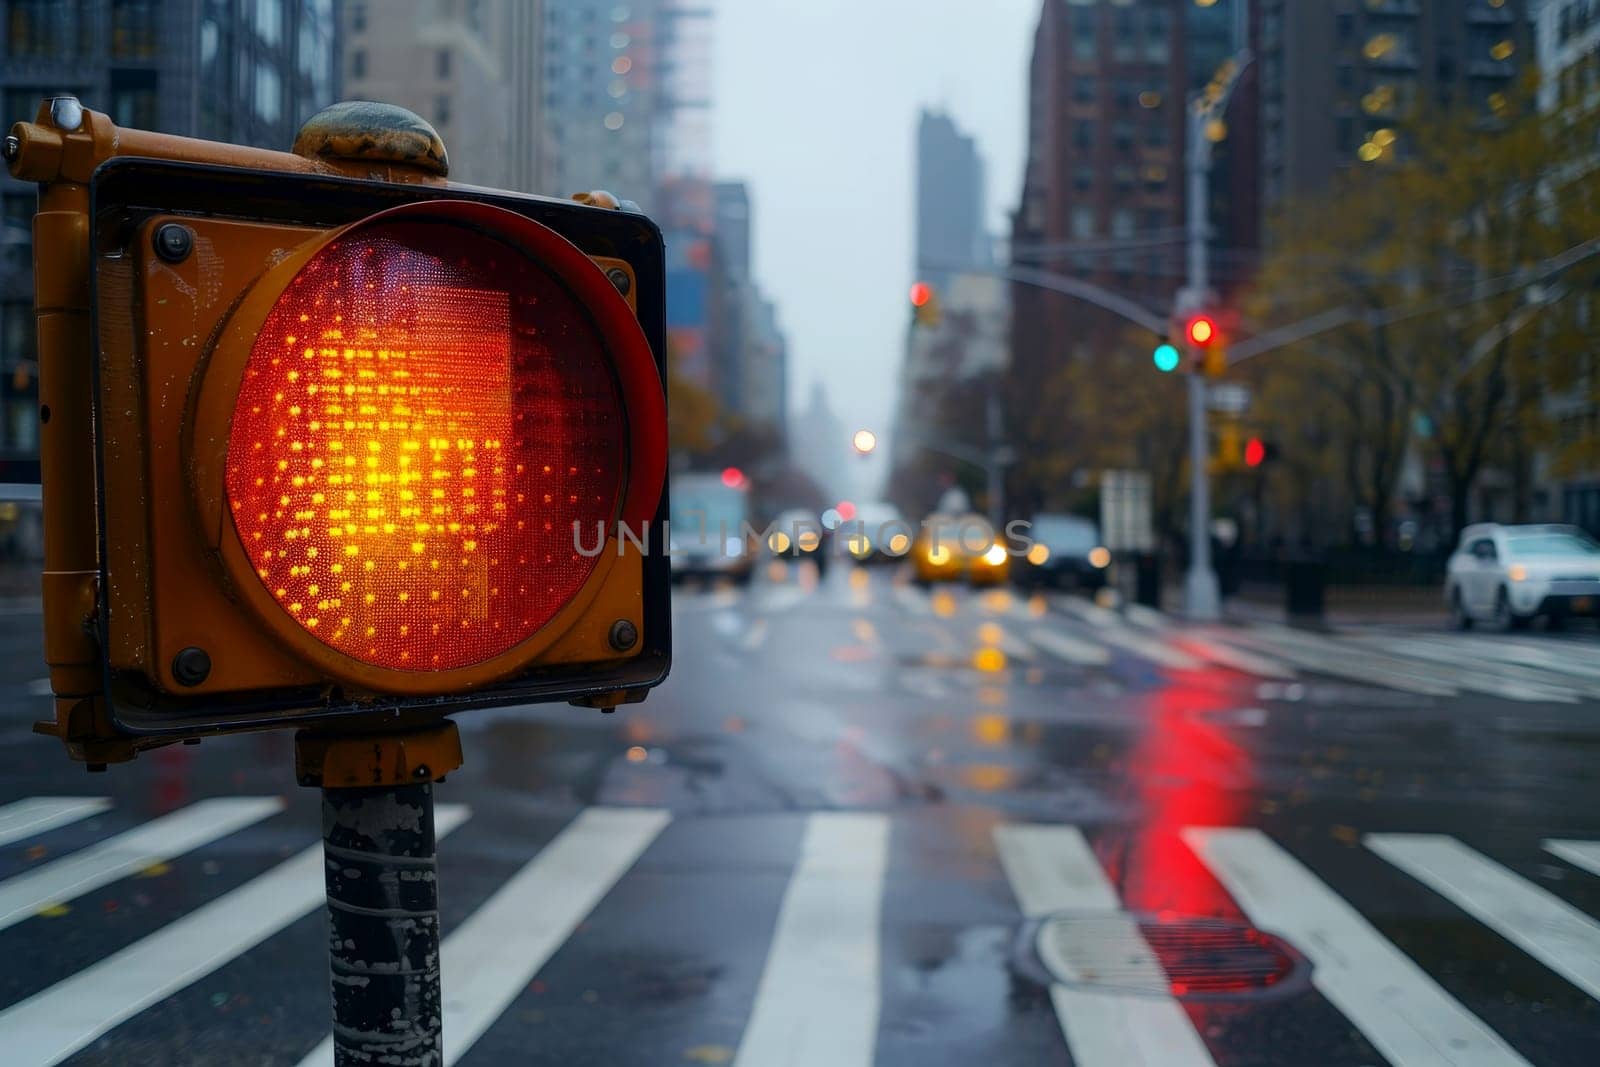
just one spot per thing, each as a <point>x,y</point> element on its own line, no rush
<point>1166,955</point>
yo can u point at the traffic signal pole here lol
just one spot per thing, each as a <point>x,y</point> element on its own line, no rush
<point>1201,592</point>
<point>381,869</point>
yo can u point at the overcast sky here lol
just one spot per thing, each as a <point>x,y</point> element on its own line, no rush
<point>816,106</point>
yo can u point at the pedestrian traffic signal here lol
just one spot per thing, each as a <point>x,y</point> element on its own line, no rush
<point>925,305</point>
<point>1167,358</point>
<point>359,443</point>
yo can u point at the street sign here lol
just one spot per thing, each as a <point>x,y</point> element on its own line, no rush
<point>1126,514</point>
<point>1228,398</point>
<point>345,448</point>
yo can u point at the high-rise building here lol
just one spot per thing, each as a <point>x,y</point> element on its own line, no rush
<point>1568,37</point>
<point>1339,78</point>
<point>470,67</point>
<point>602,97</point>
<point>950,231</point>
<point>245,73</point>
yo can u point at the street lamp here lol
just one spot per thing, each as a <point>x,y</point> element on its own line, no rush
<point>865,441</point>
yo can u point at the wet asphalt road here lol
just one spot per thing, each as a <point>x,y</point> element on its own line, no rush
<point>869,823</point>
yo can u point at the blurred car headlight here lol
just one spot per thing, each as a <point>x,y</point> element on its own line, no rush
<point>1038,555</point>
<point>1100,557</point>
<point>779,542</point>
<point>809,540</point>
<point>898,544</point>
<point>1518,573</point>
<point>859,545</point>
<point>938,555</point>
<point>733,546</point>
<point>996,555</point>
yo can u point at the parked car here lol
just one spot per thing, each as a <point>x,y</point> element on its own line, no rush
<point>708,523</point>
<point>1066,554</point>
<point>1505,576</point>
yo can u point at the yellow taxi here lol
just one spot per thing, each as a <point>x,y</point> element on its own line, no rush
<point>981,560</point>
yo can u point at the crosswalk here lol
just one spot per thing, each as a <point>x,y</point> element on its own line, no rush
<point>820,996</point>
<point>1083,635</point>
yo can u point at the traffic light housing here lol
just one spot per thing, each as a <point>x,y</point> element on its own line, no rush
<point>925,310</point>
<point>1259,452</point>
<point>362,450</point>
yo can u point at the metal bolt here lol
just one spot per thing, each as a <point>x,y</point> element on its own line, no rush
<point>191,666</point>
<point>174,242</point>
<point>66,113</point>
<point>12,148</point>
<point>624,635</point>
<point>620,279</point>
<point>421,773</point>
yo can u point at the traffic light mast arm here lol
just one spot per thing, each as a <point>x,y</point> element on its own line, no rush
<point>66,142</point>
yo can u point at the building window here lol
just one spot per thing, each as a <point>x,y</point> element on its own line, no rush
<point>269,93</point>
<point>134,28</point>
<point>16,231</point>
<point>134,101</point>
<point>358,64</point>
<point>1083,134</point>
<point>441,109</point>
<point>1122,177</point>
<point>40,29</point>
<point>1082,222</point>
<point>441,64</point>
<point>1083,90</point>
<point>1083,178</point>
<point>358,18</point>
<point>269,21</point>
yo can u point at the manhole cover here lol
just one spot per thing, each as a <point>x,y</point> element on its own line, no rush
<point>1166,955</point>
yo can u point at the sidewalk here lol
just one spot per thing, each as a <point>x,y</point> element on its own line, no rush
<point>1344,606</point>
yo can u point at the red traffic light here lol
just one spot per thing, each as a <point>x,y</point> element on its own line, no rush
<point>1201,330</point>
<point>1255,452</point>
<point>921,294</point>
<point>733,477</point>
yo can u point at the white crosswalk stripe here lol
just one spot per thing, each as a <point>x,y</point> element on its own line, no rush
<point>1540,923</point>
<point>498,950</point>
<point>35,815</point>
<point>1052,869</point>
<point>1071,649</point>
<point>154,842</point>
<point>51,1025</point>
<point>818,998</point>
<point>1401,1010</point>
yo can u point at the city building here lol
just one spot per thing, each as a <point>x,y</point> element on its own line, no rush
<point>1339,79</point>
<point>470,67</point>
<point>1568,46</point>
<point>820,445</point>
<point>947,361</point>
<point>950,233</point>
<point>245,73</point>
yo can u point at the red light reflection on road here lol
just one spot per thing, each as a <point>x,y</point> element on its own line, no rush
<point>1187,769</point>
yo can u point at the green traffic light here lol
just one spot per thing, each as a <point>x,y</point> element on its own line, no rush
<point>1167,359</point>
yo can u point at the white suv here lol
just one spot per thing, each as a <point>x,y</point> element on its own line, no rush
<point>1506,575</point>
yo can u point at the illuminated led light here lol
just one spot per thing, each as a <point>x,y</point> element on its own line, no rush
<point>1100,557</point>
<point>1038,555</point>
<point>432,432</point>
<point>898,544</point>
<point>938,555</point>
<point>995,555</point>
<point>921,294</point>
<point>865,441</point>
<point>778,542</point>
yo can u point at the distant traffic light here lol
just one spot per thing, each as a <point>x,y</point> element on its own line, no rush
<point>351,431</point>
<point>925,305</point>
<point>864,442</point>
<point>733,478</point>
<point>1167,358</point>
<point>1201,331</point>
<point>1258,452</point>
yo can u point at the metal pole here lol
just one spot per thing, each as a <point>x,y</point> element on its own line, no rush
<point>1201,595</point>
<point>383,925</point>
<point>993,461</point>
